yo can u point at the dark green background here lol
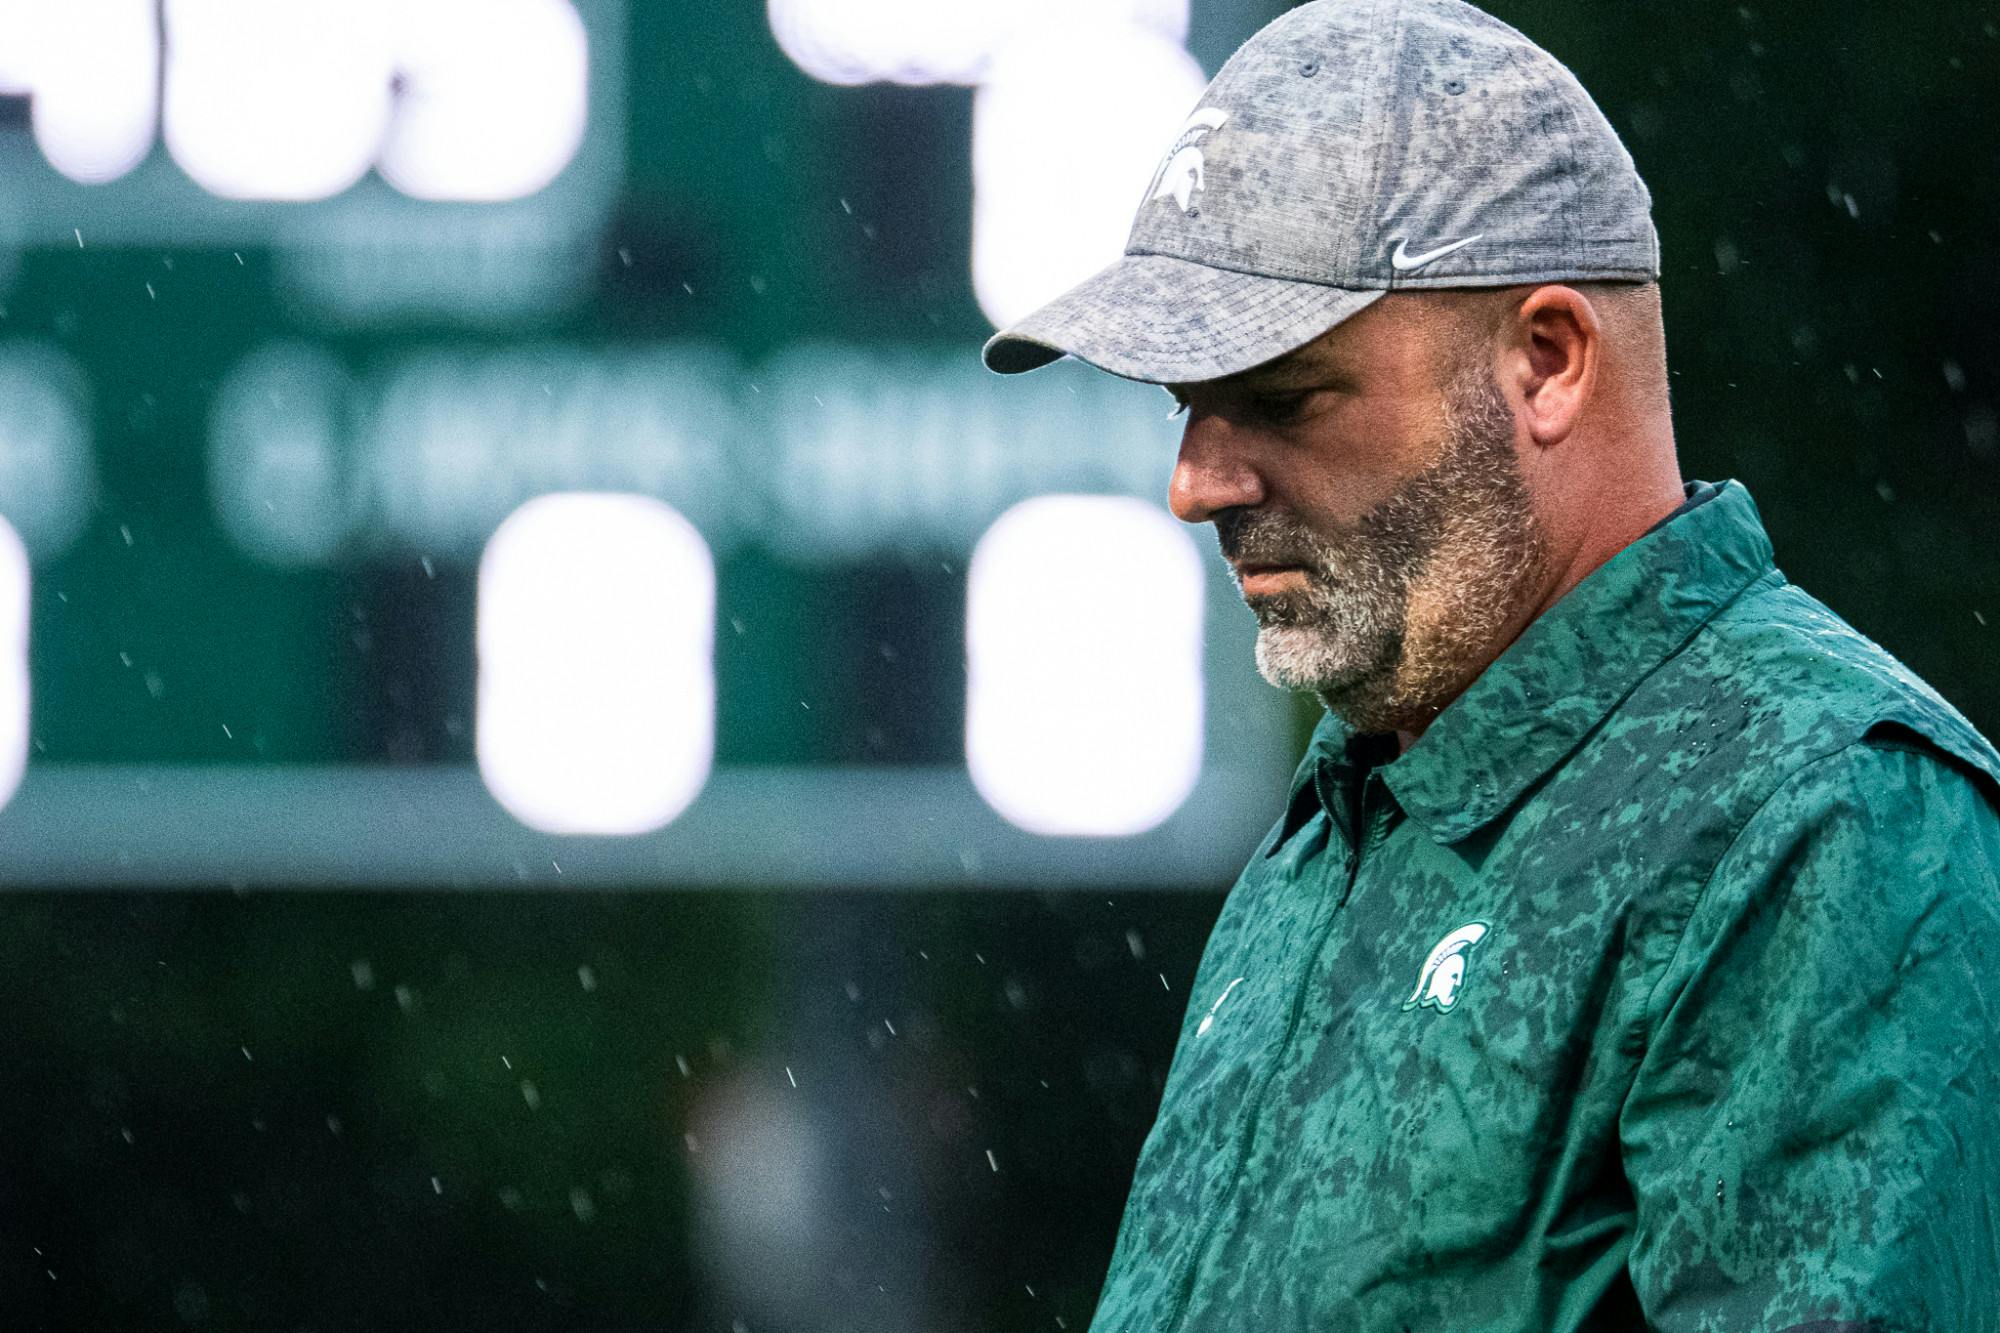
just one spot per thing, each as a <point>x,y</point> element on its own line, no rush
<point>1826,181</point>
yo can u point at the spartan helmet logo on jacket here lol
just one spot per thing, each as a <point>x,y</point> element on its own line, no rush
<point>1180,172</point>
<point>1444,971</point>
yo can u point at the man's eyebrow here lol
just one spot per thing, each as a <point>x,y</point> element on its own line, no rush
<point>1288,375</point>
<point>1294,374</point>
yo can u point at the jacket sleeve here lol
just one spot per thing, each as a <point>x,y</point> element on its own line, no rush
<point>1813,1133</point>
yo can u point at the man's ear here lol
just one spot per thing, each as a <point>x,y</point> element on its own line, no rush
<point>1556,345</point>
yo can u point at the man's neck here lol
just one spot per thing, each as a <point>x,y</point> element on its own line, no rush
<point>1585,560</point>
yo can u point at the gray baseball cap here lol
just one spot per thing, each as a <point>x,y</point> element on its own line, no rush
<point>1351,148</point>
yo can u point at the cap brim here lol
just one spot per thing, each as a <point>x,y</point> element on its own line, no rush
<point>1166,320</point>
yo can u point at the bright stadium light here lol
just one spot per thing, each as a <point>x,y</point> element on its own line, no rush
<point>944,41</point>
<point>1065,135</point>
<point>493,102</point>
<point>596,644</point>
<point>277,101</point>
<point>13,661</point>
<point>93,67</point>
<point>1084,665</point>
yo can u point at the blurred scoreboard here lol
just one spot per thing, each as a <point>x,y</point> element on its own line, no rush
<point>390,503</point>
<point>396,157</point>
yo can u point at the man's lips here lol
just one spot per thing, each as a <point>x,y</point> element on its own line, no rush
<point>1262,579</point>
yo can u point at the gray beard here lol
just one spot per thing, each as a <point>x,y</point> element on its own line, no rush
<point>1462,533</point>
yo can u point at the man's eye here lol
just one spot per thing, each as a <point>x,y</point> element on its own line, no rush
<point>1278,408</point>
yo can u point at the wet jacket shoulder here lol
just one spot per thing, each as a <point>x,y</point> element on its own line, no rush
<point>1812,1127</point>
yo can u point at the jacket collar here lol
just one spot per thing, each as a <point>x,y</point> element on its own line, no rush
<point>1567,671</point>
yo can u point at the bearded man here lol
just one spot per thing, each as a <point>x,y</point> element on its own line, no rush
<point>1624,954</point>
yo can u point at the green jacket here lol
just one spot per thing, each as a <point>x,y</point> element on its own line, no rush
<point>1649,989</point>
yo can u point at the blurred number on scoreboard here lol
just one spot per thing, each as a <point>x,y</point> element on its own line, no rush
<point>476,100</point>
<point>1084,665</point>
<point>597,691</point>
<point>596,643</point>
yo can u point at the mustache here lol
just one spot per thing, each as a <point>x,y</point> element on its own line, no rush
<point>1267,537</point>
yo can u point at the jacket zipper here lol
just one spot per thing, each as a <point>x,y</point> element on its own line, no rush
<point>1362,830</point>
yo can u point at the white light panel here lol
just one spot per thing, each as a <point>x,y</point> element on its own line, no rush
<point>20,29</point>
<point>944,41</point>
<point>596,642</point>
<point>13,662</point>
<point>1084,665</point>
<point>277,101</point>
<point>494,98</point>
<point>94,71</point>
<point>1066,132</point>
<point>469,100</point>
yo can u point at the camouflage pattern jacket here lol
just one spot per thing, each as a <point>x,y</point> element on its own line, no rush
<point>1650,989</point>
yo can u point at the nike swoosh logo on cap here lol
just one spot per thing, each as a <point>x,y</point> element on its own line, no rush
<point>1403,261</point>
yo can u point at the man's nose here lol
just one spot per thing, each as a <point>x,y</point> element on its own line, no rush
<point>1212,473</point>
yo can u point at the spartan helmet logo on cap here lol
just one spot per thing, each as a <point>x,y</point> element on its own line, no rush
<point>1444,971</point>
<point>1180,173</point>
